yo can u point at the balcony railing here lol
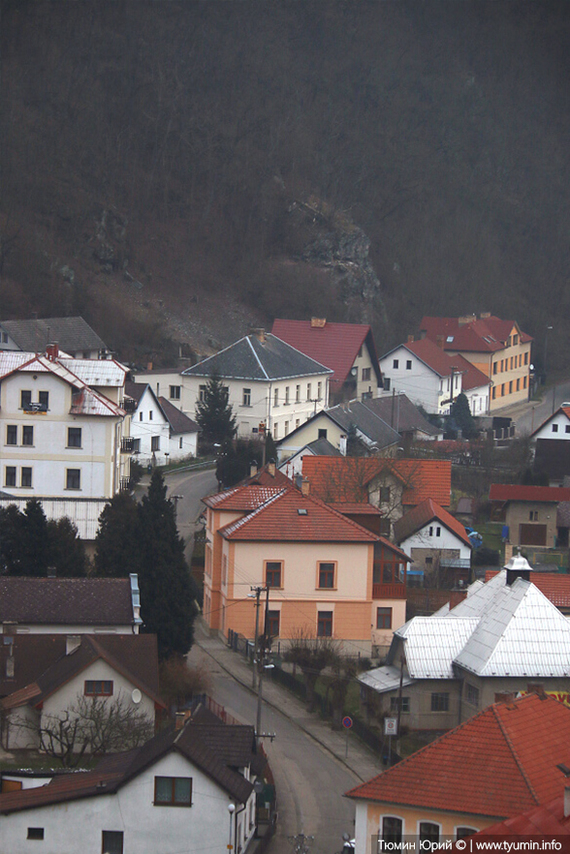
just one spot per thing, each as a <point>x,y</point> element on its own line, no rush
<point>128,404</point>
<point>127,445</point>
<point>389,591</point>
<point>125,484</point>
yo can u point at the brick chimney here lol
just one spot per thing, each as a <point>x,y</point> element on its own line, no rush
<point>252,468</point>
<point>260,334</point>
<point>504,697</point>
<point>271,468</point>
<point>467,318</point>
<point>149,366</point>
<point>440,341</point>
<point>410,339</point>
<point>318,322</point>
<point>52,351</point>
<point>305,486</point>
<point>458,594</point>
<point>536,688</point>
<point>485,315</point>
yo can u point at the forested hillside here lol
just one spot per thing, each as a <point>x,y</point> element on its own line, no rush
<point>177,171</point>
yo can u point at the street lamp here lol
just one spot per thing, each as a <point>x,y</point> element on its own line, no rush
<point>231,810</point>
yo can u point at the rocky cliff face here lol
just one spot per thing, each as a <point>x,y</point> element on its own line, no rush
<point>332,241</point>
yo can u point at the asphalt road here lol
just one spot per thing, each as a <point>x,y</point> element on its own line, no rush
<point>535,412</point>
<point>310,782</point>
<point>192,486</point>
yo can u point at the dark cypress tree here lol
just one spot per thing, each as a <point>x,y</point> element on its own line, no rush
<point>117,547</point>
<point>11,539</point>
<point>168,593</point>
<point>215,415</point>
<point>66,549</point>
<point>460,413</point>
<point>35,551</point>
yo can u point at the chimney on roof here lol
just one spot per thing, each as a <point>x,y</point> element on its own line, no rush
<point>440,341</point>
<point>182,718</point>
<point>318,322</point>
<point>72,642</point>
<point>260,334</point>
<point>305,486</point>
<point>52,351</point>
<point>467,318</point>
<point>518,567</point>
<point>410,339</point>
<point>271,468</point>
<point>536,688</point>
<point>485,314</point>
<point>253,468</point>
<point>458,594</point>
<point>504,697</point>
<point>149,366</point>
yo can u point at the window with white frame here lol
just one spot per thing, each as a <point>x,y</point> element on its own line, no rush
<point>175,392</point>
<point>246,397</point>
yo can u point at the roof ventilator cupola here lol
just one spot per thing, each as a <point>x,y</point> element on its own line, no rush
<point>518,567</point>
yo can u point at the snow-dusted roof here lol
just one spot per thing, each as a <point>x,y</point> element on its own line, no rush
<point>97,372</point>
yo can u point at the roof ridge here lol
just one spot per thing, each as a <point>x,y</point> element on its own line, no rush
<point>258,360</point>
<point>231,527</point>
<point>514,753</point>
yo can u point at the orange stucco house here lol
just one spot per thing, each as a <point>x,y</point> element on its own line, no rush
<point>326,574</point>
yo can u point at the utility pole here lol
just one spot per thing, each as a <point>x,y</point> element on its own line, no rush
<point>257,593</point>
<point>261,661</point>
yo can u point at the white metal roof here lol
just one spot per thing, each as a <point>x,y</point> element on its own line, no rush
<point>432,643</point>
<point>386,678</point>
<point>97,372</point>
<point>521,633</point>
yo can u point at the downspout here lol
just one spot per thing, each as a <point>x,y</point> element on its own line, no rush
<point>268,428</point>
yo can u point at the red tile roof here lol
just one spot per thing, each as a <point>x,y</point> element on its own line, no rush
<point>433,356</point>
<point>554,585</point>
<point>498,763</point>
<point>518,492</point>
<point>345,479</point>
<point>480,336</point>
<point>545,820</point>
<point>335,345</point>
<point>280,519</point>
<point>247,498</point>
<point>428,511</point>
<point>472,376</point>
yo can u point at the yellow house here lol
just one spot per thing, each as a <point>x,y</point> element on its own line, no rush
<point>507,759</point>
<point>498,348</point>
<point>325,573</point>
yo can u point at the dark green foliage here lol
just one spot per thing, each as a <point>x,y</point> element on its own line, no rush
<point>168,593</point>
<point>355,447</point>
<point>143,538</point>
<point>235,459</point>
<point>30,545</point>
<point>117,543</point>
<point>66,549</point>
<point>270,449</point>
<point>215,416</point>
<point>11,539</point>
<point>460,415</point>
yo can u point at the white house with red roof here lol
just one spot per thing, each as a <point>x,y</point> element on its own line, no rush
<point>64,434</point>
<point>433,379</point>
<point>512,756</point>
<point>326,574</point>
<point>498,348</point>
<point>347,348</point>
<point>435,541</point>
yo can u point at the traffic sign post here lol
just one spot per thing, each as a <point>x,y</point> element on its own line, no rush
<point>390,729</point>
<point>347,724</point>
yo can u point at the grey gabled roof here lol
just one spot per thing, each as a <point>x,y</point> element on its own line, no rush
<point>400,413</point>
<point>71,333</point>
<point>253,359</point>
<point>365,420</point>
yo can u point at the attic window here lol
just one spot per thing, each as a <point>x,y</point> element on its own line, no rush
<point>302,511</point>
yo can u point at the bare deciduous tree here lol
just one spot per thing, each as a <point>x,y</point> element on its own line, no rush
<point>92,726</point>
<point>312,654</point>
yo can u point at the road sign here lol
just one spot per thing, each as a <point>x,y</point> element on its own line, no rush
<point>347,722</point>
<point>390,726</point>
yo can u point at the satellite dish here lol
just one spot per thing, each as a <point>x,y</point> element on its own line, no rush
<point>136,696</point>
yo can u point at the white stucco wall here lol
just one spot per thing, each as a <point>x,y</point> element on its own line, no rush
<point>422,385</point>
<point>78,825</point>
<point>562,428</point>
<point>49,456</point>
<point>422,539</point>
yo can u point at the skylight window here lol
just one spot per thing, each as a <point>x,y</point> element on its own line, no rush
<point>302,511</point>
<point>450,338</point>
